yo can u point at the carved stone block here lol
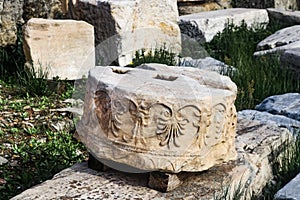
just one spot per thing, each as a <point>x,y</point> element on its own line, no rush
<point>159,118</point>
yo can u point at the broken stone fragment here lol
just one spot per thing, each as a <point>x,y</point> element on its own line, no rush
<point>159,118</point>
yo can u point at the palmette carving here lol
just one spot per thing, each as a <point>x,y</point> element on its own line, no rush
<point>170,124</point>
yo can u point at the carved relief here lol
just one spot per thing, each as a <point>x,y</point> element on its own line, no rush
<point>217,125</point>
<point>171,125</point>
<point>103,109</point>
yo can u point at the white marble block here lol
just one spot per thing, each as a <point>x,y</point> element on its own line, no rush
<point>63,48</point>
<point>159,118</point>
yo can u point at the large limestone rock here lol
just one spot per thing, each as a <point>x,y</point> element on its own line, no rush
<point>284,39</point>
<point>123,27</point>
<point>285,104</point>
<point>10,16</point>
<point>159,118</point>
<point>275,120</point>
<point>278,4</point>
<point>204,26</point>
<point>256,144</point>
<point>290,191</point>
<point>284,16</point>
<point>64,48</point>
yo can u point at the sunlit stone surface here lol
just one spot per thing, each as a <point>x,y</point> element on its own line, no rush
<point>159,118</point>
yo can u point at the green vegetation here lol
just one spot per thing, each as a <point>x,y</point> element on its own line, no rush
<point>256,77</point>
<point>161,55</point>
<point>29,137</point>
<point>285,167</point>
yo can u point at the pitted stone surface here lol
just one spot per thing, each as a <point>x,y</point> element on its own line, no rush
<point>276,120</point>
<point>204,26</point>
<point>285,104</point>
<point>123,27</point>
<point>255,143</point>
<point>159,118</point>
<point>63,48</point>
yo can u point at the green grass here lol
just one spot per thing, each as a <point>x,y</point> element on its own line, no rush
<point>161,55</point>
<point>257,77</point>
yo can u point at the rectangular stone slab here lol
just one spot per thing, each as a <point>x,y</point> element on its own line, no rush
<point>63,48</point>
<point>159,118</point>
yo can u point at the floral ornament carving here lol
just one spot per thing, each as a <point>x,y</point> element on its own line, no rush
<point>139,113</point>
<point>103,109</point>
<point>171,125</point>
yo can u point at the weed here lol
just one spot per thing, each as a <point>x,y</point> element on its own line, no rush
<point>256,77</point>
<point>34,82</point>
<point>161,55</point>
<point>285,168</point>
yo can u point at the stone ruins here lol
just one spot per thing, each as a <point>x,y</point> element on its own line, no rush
<point>171,119</point>
<point>176,127</point>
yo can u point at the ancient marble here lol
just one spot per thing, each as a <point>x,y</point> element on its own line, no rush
<point>123,27</point>
<point>159,118</point>
<point>63,48</point>
<point>255,144</point>
<point>204,26</point>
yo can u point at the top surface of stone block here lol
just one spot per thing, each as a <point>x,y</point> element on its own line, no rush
<point>208,24</point>
<point>159,118</point>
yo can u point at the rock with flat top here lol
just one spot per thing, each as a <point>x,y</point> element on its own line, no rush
<point>123,27</point>
<point>276,120</point>
<point>171,119</point>
<point>285,104</point>
<point>63,48</point>
<point>204,26</point>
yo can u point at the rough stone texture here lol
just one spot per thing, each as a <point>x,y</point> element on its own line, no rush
<point>123,27</point>
<point>255,143</point>
<point>276,120</point>
<point>10,16</point>
<point>190,7</point>
<point>64,48</point>
<point>171,119</point>
<point>291,191</point>
<point>289,17</point>
<point>49,9</point>
<point>207,63</point>
<point>285,104</point>
<point>16,12</point>
<point>291,58</point>
<point>279,4</point>
<point>280,38</point>
<point>205,25</point>
<point>3,160</point>
<point>284,39</point>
